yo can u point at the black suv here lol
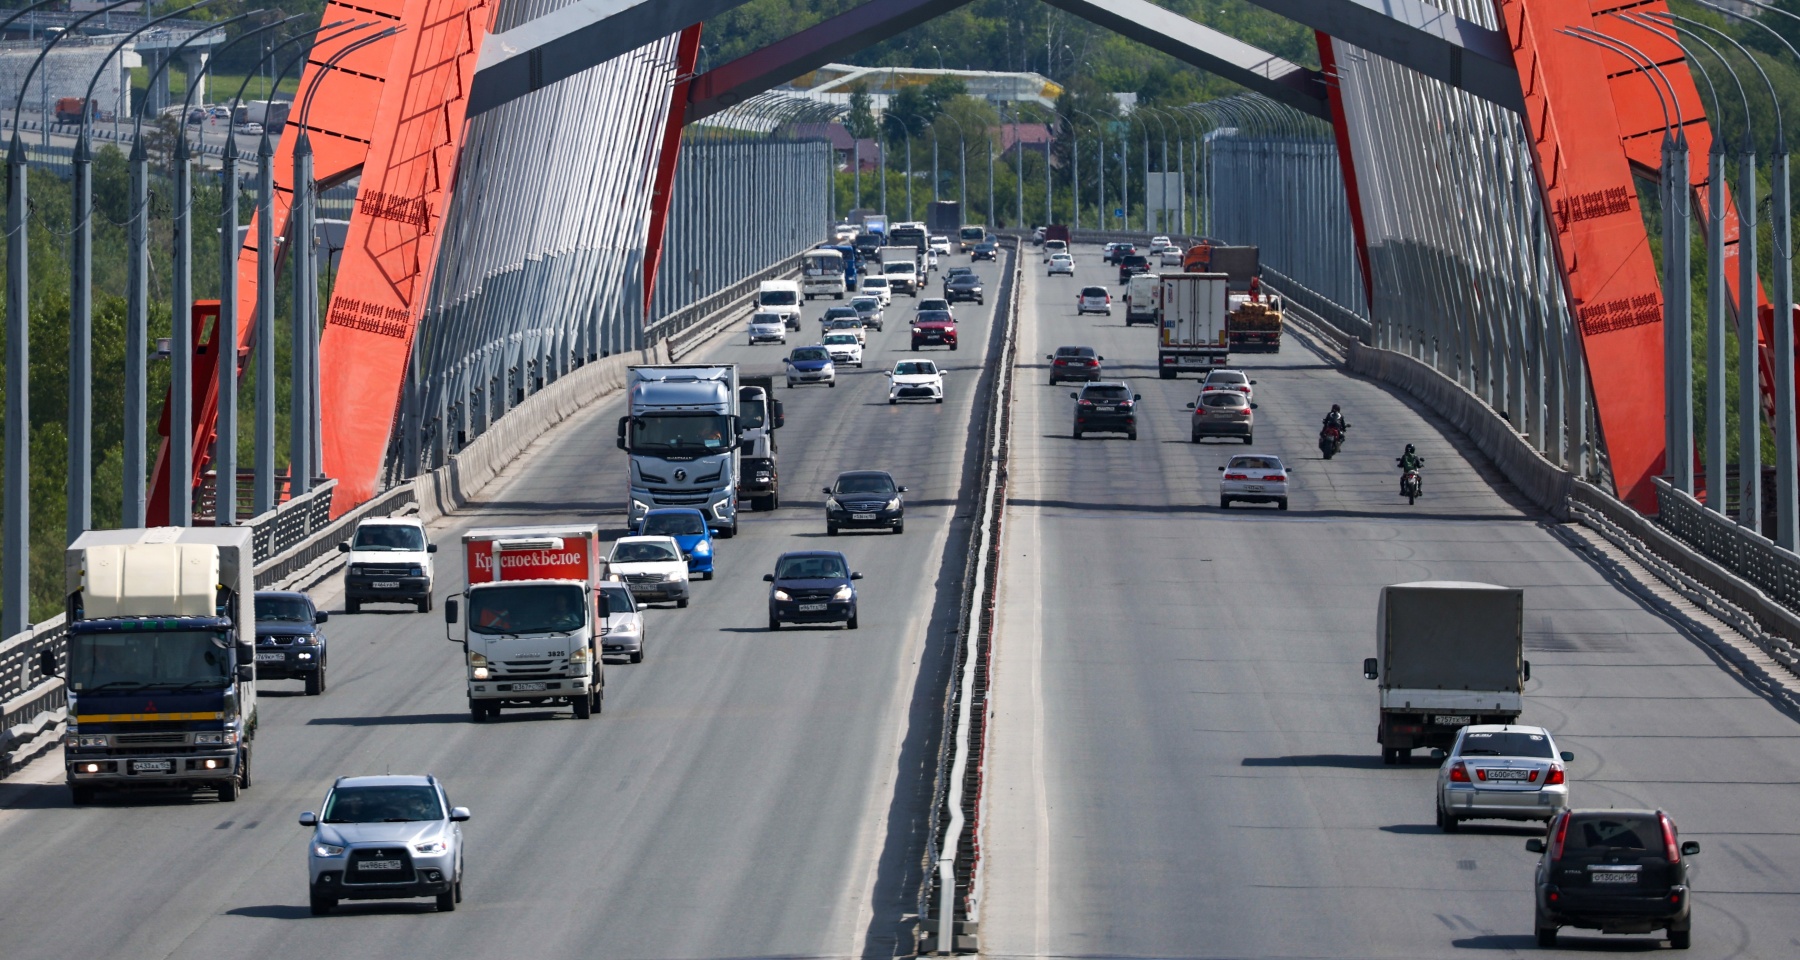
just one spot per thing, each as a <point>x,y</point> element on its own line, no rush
<point>964,286</point>
<point>289,643</point>
<point>1616,871</point>
<point>1107,408</point>
<point>1132,263</point>
<point>865,498</point>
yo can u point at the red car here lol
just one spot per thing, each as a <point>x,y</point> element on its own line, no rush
<point>933,328</point>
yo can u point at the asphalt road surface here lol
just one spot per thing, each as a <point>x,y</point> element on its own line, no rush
<point>744,793</point>
<point>1183,753</point>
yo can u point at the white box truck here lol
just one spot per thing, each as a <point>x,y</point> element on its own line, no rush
<point>1448,654</point>
<point>530,637</point>
<point>1191,313</point>
<point>901,267</point>
<point>161,668</point>
<point>781,297</point>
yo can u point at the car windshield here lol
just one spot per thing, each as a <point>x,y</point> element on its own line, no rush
<point>767,319</point>
<point>810,353</point>
<point>388,536</point>
<point>965,280</point>
<point>836,312</point>
<point>522,608</point>
<point>933,316</point>
<point>1060,257</point>
<point>400,803</point>
<point>1093,291</point>
<point>935,304</point>
<point>846,323</point>
<point>865,483</point>
<point>840,338</point>
<point>811,568</point>
<point>1106,393</point>
<point>674,525</point>
<point>196,659</point>
<point>1074,351</point>
<point>972,234</point>
<point>284,609</point>
<point>879,283</point>
<point>1506,743</point>
<point>643,552</point>
<point>778,298</point>
<point>617,600</point>
<point>907,368</point>
<point>1225,400</point>
<point>865,304</point>
<point>1226,376</point>
<point>669,433</point>
<point>1135,261</point>
<point>1255,463</point>
<point>1601,833</point>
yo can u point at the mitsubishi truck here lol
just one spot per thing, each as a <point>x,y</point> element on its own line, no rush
<point>681,431</point>
<point>529,639</point>
<point>1448,654</point>
<point>1191,314</point>
<point>1254,322</point>
<point>901,267</point>
<point>760,415</point>
<point>161,660</point>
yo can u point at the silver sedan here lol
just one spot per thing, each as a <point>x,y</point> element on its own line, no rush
<point>622,630</point>
<point>1501,772</point>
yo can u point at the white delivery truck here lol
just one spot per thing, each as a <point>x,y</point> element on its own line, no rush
<point>900,265</point>
<point>529,638</point>
<point>161,668</point>
<point>1191,314</point>
<point>822,274</point>
<point>1140,298</point>
<point>782,297</point>
<point>1448,654</point>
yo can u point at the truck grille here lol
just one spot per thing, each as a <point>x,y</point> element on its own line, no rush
<point>678,501</point>
<point>133,739</point>
<point>385,570</point>
<point>358,875</point>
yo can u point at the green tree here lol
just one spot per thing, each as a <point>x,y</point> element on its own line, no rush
<point>861,120</point>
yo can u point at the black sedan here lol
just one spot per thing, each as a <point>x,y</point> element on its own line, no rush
<point>984,251</point>
<point>964,286</point>
<point>867,499</point>
<point>812,586</point>
<point>289,643</point>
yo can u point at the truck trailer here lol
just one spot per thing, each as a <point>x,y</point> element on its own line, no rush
<point>161,666</point>
<point>1191,315</point>
<point>1448,654</point>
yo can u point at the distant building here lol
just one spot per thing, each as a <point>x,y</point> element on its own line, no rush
<point>846,148</point>
<point>1035,137</point>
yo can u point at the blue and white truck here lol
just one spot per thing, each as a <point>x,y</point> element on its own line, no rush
<point>681,432</point>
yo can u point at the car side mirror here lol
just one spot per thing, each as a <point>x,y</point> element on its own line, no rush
<point>1535,845</point>
<point>1137,396</point>
<point>902,489</point>
<point>825,490</point>
<point>712,532</point>
<point>1371,666</point>
<point>1525,669</point>
<point>459,814</point>
<point>246,672</point>
<point>1049,356</point>
<point>1566,756</point>
<point>1437,754</point>
<point>320,616</point>
<point>1221,469</point>
<point>431,548</point>
<point>1690,847</point>
<point>1099,358</point>
<point>855,576</point>
<point>307,819</point>
<point>1253,406</point>
<point>47,662</point>
<point>1253,383</point>
<point>450,609</point>
<point>344,547</point>
<point>687,555</point>
<point>1074,396</point>
<point>768,578</point>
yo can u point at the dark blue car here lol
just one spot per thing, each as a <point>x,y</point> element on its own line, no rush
<point>812,586</point>
<point>289,643</point>
<point>688,527</point>
<point>810,365</point>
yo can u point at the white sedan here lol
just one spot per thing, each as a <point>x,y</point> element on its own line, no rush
<point>940,246</point>
<point>1254,478</point>
<point>1231,380</point>
<point>766,327</point>
<point>845,347</point>
<point>651,567</point>
<point>1061,263</point>
<point>915,380</point>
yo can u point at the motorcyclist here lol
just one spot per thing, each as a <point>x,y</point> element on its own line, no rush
<point>1410,461</point>
<point>1335,418</point>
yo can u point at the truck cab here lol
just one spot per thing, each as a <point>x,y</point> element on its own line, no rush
<point>682,435</point>
<point>782,297</point>
<point>529,637</point>
<point>161,667</point>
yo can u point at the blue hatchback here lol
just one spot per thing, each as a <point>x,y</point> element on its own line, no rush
<point>688,527</point>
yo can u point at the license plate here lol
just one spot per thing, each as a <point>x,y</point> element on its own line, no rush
<point>152,766</point>
<point>1612,876</point>
<point>1450,720</point>
<point>812,607</point>
<point>265,657</point>
<point>862,516</point>
<point>1105,409</point>
<point>386,584</point>
<point>1253,487</point>
<point>1192,363</point>
<point>1508,774</point>
<point>378,865</point>
<point>526,687</point>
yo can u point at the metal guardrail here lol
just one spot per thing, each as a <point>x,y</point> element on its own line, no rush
<point>288,524</point>
<point>688,326</point>
<point>1739,549</point>
<point>1331,313</point>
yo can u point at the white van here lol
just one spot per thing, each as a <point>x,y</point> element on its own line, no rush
<point>1140,299</point>
<point>389,562</point>
<point>783,297</point>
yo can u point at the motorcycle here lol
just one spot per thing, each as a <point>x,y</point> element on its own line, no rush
<point>1331,440</point>
<point>1410,485</point>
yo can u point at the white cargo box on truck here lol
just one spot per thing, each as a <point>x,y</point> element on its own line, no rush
<point>1448,654</point>
<point>1192,320</point>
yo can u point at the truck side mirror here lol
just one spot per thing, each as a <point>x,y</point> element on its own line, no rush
<point>246,672</point>
<point>47,662</point>
<point>1535,845</point>
<point>624,422</point>
<point>778,416</point>
<point>450,608</point>
<point>431,548</point>
<point>1371,666</point>
<point>1525,671</point>
<point>344,547</point>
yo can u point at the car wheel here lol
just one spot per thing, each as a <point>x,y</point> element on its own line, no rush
<point>706,574</point>
<point>425,604</point>
<point>446,901</point>
<point>584,708</point>
<point>477,712</point>
<point>937,400</point>
<point>637,656</point>
<point>1224,502</point>
<point>1546,938</point>
<point>1131,434</point>
<point>458,889</point>
<point>1078,434</point>
<point>1194,438</point>
<point>900,527</point>
<point>1247,440</point>
<point>790,384</point>
<point>322,905</point>
<point>315,682</point>
<point>1282,503</point>
<point>831,529</point>
<point>1390,757</point>
<point>774,624</point>
<point>953,347</point>
<point>832,384</point>
<point>1678,939</point>
<point>228,791</point>
<point>1446,820</point>
<point>893,402</point>
<point>850,624</point>
<point>81,796</point>
<point>681,604</point>
<point>352,606</point>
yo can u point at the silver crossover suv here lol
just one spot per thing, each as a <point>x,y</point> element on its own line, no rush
<point>385,838</point>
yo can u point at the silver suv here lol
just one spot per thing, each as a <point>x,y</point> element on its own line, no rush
<point>385,838</point>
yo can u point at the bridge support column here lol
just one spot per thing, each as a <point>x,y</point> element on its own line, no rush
<point>1715,328</point>
<point>1749,353</point>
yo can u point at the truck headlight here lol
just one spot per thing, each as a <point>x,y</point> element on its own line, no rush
<point>327,850</point>
<point>480,673</point>
<point>212,738</point>
<point>356,569</point>
<point>578,655</point>
<point>843,593</point>
<point>86,741</point>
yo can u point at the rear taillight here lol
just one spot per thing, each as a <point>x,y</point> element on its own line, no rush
<point>1671,849</point>
<point>1278,478</point>
<point>1459,773</point>
<point>1243,389</point>
<point>1087,403</point>
<point>1237,476</point>
<point>1555,776</point>
<point>1093,363</point>
<point>1560,834</point>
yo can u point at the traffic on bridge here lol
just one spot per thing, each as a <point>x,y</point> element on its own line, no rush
<point>765,478</point>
